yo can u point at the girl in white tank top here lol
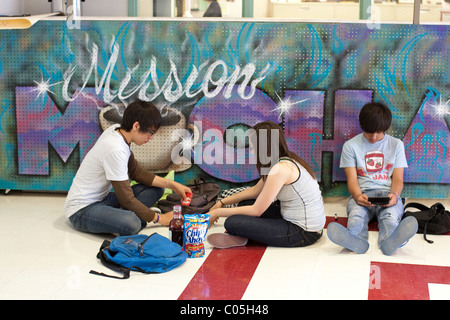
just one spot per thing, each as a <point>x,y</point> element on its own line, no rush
<point>295,220</point>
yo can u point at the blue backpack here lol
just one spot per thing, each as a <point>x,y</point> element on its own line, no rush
<point>139,252</point>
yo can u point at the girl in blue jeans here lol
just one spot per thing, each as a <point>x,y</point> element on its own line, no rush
<point>297,217</point>
<point>270,228</point>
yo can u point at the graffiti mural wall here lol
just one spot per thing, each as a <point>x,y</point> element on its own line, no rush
<point>61,87</point>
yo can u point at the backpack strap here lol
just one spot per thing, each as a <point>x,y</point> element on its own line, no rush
<point>126,274</point>
<point>425,232</point>
<point>416,205</point>
<point>431,211</point>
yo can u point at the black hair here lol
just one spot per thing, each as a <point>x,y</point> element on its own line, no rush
<point>143,112</point>
<point>375,117</point>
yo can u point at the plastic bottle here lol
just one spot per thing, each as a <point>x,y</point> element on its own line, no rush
<point>176,226</point>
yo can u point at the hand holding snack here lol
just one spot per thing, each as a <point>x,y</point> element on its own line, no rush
<point>187,200</point>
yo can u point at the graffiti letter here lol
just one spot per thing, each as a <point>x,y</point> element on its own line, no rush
<point>39,122</point>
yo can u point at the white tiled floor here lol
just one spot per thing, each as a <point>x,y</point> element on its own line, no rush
<point>43,257</point>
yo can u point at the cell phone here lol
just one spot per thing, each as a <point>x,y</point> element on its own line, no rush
<point>379,200</point>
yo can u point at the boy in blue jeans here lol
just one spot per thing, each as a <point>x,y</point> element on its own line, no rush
<point>374,162</point>
<point>110,164</point>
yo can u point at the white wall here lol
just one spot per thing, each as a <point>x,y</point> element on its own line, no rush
<point>37,6</point>
<point>99,8</point>
<point>104,8</point>
<point>11,7</point>
<point>231,9</point>
<point>145,8</point>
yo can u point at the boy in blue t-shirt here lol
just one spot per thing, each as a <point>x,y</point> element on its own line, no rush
<point>374,162</point>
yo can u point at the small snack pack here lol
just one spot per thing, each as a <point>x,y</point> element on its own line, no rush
<point>188,199</point>
<point>195,229</point>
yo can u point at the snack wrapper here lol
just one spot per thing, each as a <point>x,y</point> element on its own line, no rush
<point>195,229</point>
<point>188,199</point>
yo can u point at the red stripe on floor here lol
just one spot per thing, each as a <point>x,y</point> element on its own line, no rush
<point>225,274</point>
<point>397,281</point>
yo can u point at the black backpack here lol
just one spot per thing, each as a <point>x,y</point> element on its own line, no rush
<point>431,220</point>
<point>204,196</point>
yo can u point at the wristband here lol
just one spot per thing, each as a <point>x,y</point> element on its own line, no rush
<point>221,202</point>
<point>157,219</point>
<point>398,197</point>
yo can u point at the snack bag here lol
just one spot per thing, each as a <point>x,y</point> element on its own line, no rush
<point>188,199</point>
<point>195,229</point>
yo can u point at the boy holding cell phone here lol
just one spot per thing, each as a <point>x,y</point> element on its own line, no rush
<point>374,162</point>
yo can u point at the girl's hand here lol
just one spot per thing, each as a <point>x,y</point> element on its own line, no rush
<point>213,219</point>
<point>217,205</point>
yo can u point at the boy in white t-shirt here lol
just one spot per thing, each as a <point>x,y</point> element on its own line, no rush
<point>374,162</point>
<point>92,207</point>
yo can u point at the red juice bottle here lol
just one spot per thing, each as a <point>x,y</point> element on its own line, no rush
<point>176,226</point>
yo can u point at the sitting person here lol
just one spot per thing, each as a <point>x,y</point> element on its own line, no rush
<point>374,162</point>
<point>91,207</point>
<point>299,217</point>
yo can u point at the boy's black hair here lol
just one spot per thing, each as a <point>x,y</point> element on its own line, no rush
<point>143,112</point>
<point>375,117</point>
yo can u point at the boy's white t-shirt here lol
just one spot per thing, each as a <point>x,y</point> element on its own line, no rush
<point>107,161</point>
<point>374,162</point>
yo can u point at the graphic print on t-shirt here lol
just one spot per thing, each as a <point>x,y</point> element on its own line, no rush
<point>374,161</point>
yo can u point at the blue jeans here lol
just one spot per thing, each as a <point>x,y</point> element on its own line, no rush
<point>359,217</point>
<point>271,229</point>
<point>107,216</point>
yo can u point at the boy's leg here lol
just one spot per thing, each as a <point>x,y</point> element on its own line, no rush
<point>102,218</point>
<point>355,236</point>
<point>388,220</point>
<point>358,219</point>
<point>147,195</point>
<point>394,232</point>
<point>343,237</point>
<point>107,217</point>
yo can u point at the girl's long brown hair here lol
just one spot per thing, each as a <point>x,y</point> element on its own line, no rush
<point>282,146</point>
